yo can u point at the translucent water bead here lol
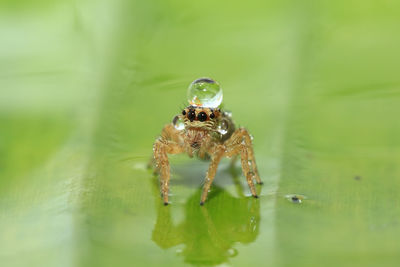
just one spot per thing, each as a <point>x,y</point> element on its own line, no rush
<point>178,123</point>
<point>204,92</point>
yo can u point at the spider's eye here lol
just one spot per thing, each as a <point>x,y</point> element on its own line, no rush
<point>191,115</point>
<point>202,116</point>
<point>212,116</point>
<point>184,112</point>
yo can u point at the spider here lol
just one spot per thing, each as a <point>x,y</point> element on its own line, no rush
<point>208,133</point>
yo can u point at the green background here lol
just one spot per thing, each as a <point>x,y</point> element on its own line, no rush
<point>86,87</point>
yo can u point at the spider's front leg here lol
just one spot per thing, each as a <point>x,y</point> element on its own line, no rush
<point>240,143</point>
<point>247,142</point>
<point>168,143</point>
<point>212,170</point>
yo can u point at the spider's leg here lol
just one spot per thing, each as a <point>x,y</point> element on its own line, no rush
<point>212,170</point>
<point>152,165</point>
<point>168,133</point>
<point>166,145</point>
<point>161,149</point>
<point>237,144</point>
<point>249,146</point>
<point>246,169</point>
<point>162,167</point>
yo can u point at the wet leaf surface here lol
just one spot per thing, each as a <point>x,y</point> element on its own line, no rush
<point>83,99</point>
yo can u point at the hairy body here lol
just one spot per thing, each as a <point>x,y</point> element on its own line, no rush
<point>208,134</point>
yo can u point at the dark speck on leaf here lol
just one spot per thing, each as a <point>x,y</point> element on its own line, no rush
<point>357,178</point>
<point>295,198</point>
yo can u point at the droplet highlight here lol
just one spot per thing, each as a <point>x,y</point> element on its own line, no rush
<point>223,127</point>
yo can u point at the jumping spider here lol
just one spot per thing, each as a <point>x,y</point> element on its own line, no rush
<point>208,133</point>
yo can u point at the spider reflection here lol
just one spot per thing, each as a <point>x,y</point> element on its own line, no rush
<point>209,232</point>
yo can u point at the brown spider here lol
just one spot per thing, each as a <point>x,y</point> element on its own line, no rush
<point>208,133</point>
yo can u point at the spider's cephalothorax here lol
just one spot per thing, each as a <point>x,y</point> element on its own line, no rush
<point>207,133</point>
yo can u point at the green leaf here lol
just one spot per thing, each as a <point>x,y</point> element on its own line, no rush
<point>86,87</point>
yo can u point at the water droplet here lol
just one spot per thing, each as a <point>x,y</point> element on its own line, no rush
<point>295,198</point>
<point>204,92</point>
<point>139,166</point>
<point>223,127</point>
<point>232,252</point>
<point>178,123</point>
<point>228,114</point>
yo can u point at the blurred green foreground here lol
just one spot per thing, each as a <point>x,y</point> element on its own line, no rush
<point>86,86</point>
